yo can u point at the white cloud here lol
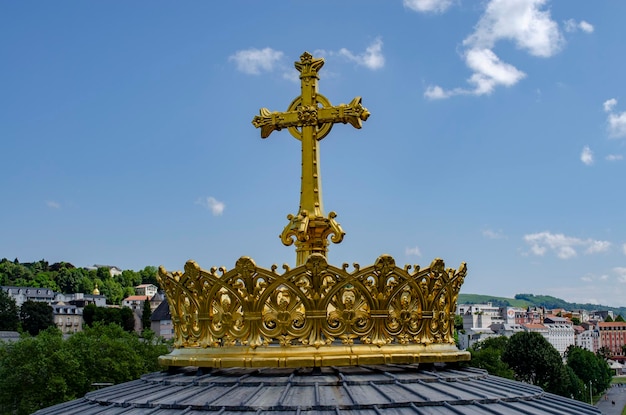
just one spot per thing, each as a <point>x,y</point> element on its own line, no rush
<point>563,246</point>
<point>490,71</point>
<point>491,234</point>
<point>520,21</point>
<point>435,6</point>
<point>414,251</point>
<point>617,125</point>
<point>372,58</point>
<point>215,206</point>
<point>586,156</point>
<point>614,157</point>
<point>609,104</point>
<point>254,61</point>
<point>616,121</point>
<point>594,247</point>
<point>436,92</point>
<point>52,204</point>
<point>572,25</point>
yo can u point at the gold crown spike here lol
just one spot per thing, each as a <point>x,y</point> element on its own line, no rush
<point>313,315</point>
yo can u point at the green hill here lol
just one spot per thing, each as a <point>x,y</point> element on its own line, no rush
<point>532,300</point>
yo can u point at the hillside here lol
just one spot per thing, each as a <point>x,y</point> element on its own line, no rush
<point>531,300</point>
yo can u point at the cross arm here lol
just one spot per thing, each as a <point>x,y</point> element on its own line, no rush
<point>269,121</point>
<point>353,113</point>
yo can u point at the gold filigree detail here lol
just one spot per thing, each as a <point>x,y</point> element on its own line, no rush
<point>313,305</point>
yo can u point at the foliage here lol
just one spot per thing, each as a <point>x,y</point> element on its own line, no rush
<point>604,352</point>
<point>589,367</point>
<point>123,317</point>
<point>36,316</point>
<point>66,278</point>
<point>534,360</point>
<point>146,315</point>
<point>487,354</point>
<point>9,314</point>
<point>619,318</point>
<point>478,298</point>
<point>36,372</point>
<point>608,319</point>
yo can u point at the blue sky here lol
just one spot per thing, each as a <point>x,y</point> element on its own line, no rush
<point>497,135</point>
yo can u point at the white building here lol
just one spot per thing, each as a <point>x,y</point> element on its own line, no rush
<point>588,339</point>
<point>477,322</point>
<point>560,333</point>
<point>146,289</point>
<point>23,294</point>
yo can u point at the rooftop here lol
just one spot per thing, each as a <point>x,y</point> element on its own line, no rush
<point>386,389</point>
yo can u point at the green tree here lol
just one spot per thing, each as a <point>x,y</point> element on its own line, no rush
<point>44,279</point>
<point>85,284</point>
<point>619,318</point>
<point>112,290</point>
<point>107,353</point>
<point>89,314</point>
<point>608,319</point>
<point>535,361</point>
<point>69,280</point>
<point>487,354</point>
<point>36,316</point>
<point>36,372</point>
<point>589,367</point>
<point>123,317</point>
<point>146,315</point>
<point>127,319</point>
<point>574,387</point>
<point>575,321</point>
<point>129,278</point>
<point>9,314</point>
<point>148,275</point>
<point>604,353</point>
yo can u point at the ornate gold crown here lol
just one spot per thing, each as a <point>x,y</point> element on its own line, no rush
<point>314,314</point>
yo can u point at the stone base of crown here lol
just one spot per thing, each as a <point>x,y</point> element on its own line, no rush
<point>304,356</point>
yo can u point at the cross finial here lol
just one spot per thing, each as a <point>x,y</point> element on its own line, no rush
<point>310,118</point>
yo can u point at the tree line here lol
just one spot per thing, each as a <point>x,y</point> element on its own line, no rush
<point>44,370</point>
<point>529,357</point>
<point>66,278</point>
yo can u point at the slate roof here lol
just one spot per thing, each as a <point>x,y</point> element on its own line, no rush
<point>162,312</point>
<point>364,390</point>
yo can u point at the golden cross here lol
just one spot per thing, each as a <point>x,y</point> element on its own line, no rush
<point>310,118</point>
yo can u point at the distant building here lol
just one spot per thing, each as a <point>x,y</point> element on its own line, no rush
<point>81,300</point>
<point>113,270</point>
<point>135,302</point>
<point>538,328</point>
<point>613,336</point>
<point>161,321</point>
<point>23,294</point>
<point>68,318</point>
<point>9,336</point>
<point>146,289</point>
<point>560,333</point>
<point>588,339</point>
<point>477,322</point>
